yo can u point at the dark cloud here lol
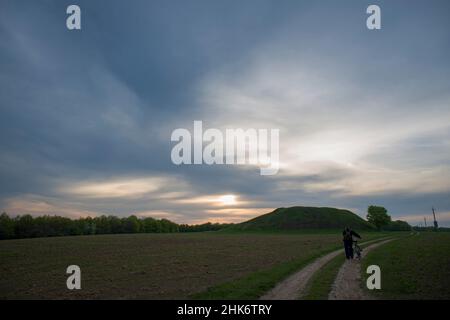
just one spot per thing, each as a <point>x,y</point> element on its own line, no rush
<point>99,105</point>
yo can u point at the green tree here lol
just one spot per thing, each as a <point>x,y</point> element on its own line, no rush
<point>103,225</point>
<point>130,224</point>
<point>378,216</point>
<point>115,224</point>
<point>24,226</point>
<point>6,227</point>
<point>149,225</point>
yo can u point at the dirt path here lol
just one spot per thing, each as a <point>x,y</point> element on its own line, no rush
<point>293,286</point>
<point>347,285</point>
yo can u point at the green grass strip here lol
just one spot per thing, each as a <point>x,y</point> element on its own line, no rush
<point>320,284</point>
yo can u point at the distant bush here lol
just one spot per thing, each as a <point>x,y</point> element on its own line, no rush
<point>425,229</point>
<point>26,226</point>
<point>203,227</point>
<point>6,227</point>
<point>398,225</point>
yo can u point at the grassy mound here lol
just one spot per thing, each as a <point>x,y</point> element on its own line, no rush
<point>301,218</point>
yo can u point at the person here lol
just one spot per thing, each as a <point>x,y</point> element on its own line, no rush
<point>348,235</point>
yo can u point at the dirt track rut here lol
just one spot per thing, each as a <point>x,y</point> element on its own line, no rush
<point>347,285</point>
<point>294,286</point>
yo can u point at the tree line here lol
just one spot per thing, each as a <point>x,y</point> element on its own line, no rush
<point>27,226</point>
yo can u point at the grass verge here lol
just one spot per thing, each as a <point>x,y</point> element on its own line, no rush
<point>416,267</point>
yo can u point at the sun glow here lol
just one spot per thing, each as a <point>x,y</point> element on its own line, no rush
<point>228,199</point>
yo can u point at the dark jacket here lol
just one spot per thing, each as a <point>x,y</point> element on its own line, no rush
<point>352,233</point>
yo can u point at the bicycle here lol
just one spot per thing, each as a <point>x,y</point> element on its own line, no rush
<point>357,250</point>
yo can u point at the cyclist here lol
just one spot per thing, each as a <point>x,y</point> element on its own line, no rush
<point>348,235</point>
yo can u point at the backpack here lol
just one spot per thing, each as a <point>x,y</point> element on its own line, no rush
<point>348,235</point>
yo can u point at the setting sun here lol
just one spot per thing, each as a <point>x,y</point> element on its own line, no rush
<point>228,199</point>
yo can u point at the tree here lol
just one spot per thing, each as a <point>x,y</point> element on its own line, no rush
<point>130,224</point>
<point>149,225</point>
<point>378,216</point>
<point>103,225</point>
<point>24,226</point>
<point>6,227</point>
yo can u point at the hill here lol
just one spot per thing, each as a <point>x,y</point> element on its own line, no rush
<point>299,218</point>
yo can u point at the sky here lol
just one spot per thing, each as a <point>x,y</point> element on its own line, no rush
<point>87,115</point>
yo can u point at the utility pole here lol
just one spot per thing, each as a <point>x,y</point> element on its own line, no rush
<point>425,220</point>
<point>434,217</point>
